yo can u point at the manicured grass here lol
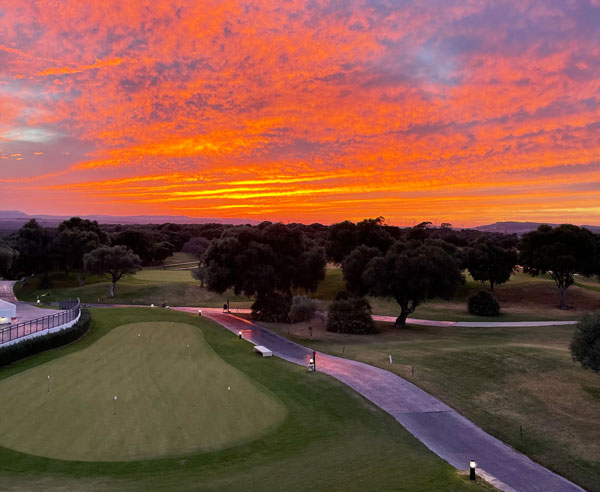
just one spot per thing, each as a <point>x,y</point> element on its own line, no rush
<point>148,286</point>
<point>172,399</point>
<point>523,298</point>
<point>501,378</point>
<point>331,439</point>
<point>164,276</point>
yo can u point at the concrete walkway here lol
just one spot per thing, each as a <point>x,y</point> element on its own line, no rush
<point>25,311</point>
<point>443,430</point>
<point>474,324</point>
<point>458,324</point>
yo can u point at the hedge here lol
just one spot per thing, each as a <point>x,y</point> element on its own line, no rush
<point>33,346</point>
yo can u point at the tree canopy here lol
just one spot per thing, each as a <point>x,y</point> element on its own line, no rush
<point>261,261</point>
<point>346,236</point>
<point>115,261</point>
<point>75,238</point>
<point>489,261</point>
<point>585,344</point>
<point>412,272</point>
<point>561,252</point>
<point>196,246</point>
<point>32,242</point>
<point>138,241</point>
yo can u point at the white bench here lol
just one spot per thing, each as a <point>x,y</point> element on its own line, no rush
<point>264,351</point>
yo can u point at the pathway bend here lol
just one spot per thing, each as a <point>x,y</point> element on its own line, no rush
<point>443,430</point>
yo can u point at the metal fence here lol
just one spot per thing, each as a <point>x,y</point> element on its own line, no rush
<point>71,307</point>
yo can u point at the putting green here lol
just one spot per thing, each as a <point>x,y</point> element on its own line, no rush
<point>172,399</point>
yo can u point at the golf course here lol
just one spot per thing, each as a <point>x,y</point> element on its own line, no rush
<point>176,426</point>
<point>175,396</point>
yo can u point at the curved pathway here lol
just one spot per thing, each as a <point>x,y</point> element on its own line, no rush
<point>443,430</point>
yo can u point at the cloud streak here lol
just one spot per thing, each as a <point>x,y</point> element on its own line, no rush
<point>314,111</point>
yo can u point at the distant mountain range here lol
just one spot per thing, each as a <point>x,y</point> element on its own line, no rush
<point>13,219</point>
<point>522,227</point>
<point>14,216</point>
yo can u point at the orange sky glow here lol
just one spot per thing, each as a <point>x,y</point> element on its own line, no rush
<point>456,111</point>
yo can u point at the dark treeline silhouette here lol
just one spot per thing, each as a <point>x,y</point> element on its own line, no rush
<point>270,260</point>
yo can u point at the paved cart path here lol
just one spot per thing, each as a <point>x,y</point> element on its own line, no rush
<point>443,430</point>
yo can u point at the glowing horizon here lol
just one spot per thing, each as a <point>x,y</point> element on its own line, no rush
<point>461,112</point>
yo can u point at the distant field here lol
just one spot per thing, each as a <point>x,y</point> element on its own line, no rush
<point>148,286</point>
<point>331,439</point>
<point>501,378</point>
<point>523,298</point>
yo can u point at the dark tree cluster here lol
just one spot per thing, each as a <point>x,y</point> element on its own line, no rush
<point>265,262</point>
<point>561,252</point>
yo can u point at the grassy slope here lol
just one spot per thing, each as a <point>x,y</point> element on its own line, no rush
<point>172,399</point>
<point>500,378</point>
<point>331,440</point>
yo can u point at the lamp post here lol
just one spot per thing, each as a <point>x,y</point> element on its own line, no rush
<point>240,335</point>
<point>48,383</point>
<point>472,467</point>
<point>199,312</point>
<point>115,397</point>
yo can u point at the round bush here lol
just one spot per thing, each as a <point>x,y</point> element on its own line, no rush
<point>303,309</point>
<point>484,304</point>
<point>347,314</point>
<point>585,344</point>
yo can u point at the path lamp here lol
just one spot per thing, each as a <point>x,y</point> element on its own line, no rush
<point>199,312</point>
<point>115,405</point>
<point>472,467</point>
<point>151,305</point>
<point>240,335</point>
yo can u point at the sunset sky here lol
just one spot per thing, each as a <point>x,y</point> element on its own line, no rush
<point>460,111</point>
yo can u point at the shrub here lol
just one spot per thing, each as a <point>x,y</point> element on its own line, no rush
<point>349,314</point>
<point>303,309</point>
<point>484,304</point>
<point>33,346</point>
<point>272,308</point>
<point>585,344</point>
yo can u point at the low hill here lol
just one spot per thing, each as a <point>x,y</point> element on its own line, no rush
<point>522,227</point>
<point>14,219</point>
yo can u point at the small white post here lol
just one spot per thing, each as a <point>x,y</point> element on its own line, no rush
<point>390,358</point>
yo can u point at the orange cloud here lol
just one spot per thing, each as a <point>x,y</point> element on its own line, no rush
<point>297,111</point>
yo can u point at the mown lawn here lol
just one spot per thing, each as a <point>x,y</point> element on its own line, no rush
<point>501,378</point>
<point>523,298</point>
<point>331,438</point>
<point>148,286</point>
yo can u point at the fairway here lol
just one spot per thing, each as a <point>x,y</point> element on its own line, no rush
<point>173,399</point>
